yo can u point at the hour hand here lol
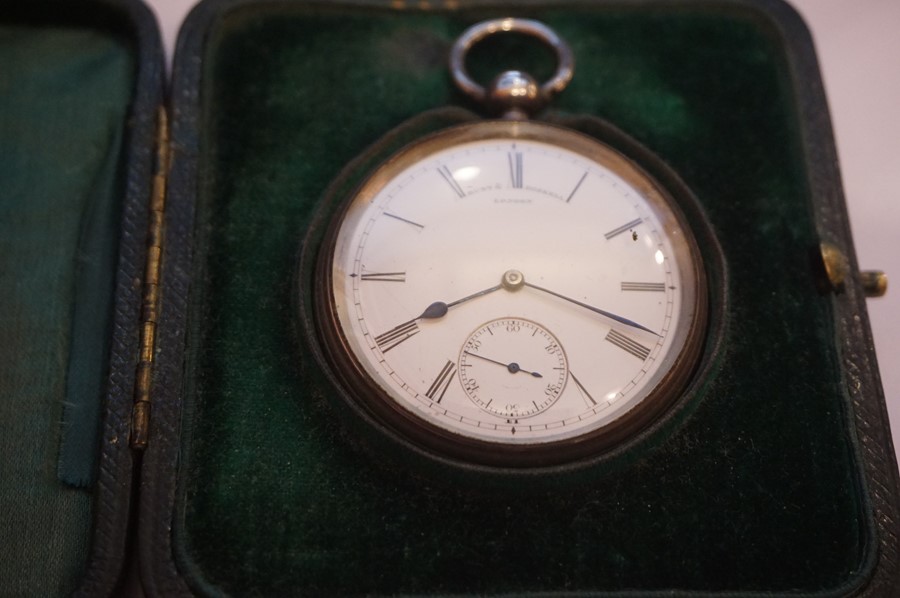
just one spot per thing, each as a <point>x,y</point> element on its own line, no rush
<point>396,335</point>
<point>439,309</point>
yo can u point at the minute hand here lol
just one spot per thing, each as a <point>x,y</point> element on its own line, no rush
<point>602,312</point>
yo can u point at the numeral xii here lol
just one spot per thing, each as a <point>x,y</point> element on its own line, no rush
<point>515,169</point>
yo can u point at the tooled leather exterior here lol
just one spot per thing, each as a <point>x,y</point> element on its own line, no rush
<point>159,574</point>
<point>868,419</point>
<point>116,469</point>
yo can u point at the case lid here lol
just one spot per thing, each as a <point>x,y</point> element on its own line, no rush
<point>80,84</point>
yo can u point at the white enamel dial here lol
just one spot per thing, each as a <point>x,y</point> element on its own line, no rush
<point>534,247</point>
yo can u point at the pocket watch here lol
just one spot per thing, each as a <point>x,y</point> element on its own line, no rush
<point>510,293</point>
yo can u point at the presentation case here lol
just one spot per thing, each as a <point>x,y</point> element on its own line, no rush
<point>166,420</point>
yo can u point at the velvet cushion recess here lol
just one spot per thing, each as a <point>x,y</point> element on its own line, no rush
<point>756,490</point>
<point>64,92</point>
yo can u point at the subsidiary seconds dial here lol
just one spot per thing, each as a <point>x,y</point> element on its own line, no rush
<point>512,293</point>
<point>512,368</point>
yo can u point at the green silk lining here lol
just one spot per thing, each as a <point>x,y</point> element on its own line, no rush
<point>64,93</point>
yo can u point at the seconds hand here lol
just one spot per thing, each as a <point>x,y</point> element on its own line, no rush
<point>512,367</point>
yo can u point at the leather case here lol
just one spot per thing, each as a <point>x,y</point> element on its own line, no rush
<point>223,464</point>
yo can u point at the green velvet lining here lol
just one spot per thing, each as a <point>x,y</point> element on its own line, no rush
<point>64,92</point>
<point>756,491</point>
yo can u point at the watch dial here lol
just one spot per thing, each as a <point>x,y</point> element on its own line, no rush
<point>514,286</point>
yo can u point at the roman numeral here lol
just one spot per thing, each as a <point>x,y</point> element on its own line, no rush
<point>439,387</point>
<point>644,286</point>
<point>384,276</point>
<point>625,343</point>
<point>393,337</point>
<point>583,390</point>
<point>577,186</point>
<point>622,229</point>
<point>448,176</point>
<point>401,219</point>
<point>515,169</point>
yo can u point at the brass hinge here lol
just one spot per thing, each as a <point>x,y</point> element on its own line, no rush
<point>140,412</point>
